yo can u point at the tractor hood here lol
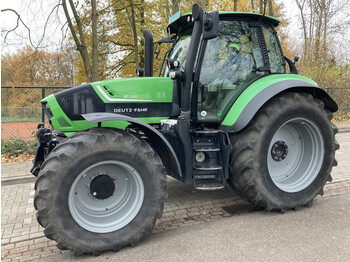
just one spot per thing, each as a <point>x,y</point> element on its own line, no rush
<point>131,90</point>
<point>148,98</point>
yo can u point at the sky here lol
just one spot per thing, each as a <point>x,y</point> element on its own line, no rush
<point>34,13</point>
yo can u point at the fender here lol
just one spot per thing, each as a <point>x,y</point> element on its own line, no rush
<point>257,94</point>
<point>159,142</point>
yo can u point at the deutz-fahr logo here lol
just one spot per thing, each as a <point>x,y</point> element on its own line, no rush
<point>130,110</point>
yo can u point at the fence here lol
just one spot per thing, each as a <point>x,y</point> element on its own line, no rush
<point>21,110</point>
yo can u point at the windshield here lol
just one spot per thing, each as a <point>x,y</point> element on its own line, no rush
<point>179,51</point>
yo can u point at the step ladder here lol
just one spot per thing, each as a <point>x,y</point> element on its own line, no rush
<point>208,173</point>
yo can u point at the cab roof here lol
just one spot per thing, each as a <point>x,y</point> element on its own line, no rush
<point>186,20</point>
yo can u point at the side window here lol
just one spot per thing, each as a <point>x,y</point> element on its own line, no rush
<point>230,60</point>
<point>179,52</point>
<point>275,55</point>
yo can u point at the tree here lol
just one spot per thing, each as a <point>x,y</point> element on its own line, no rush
<point>319,21</point>
<point>30,67</point>
<point>91,71</point>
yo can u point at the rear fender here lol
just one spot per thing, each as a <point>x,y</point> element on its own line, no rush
<point>158,141</point>
<point>256,95</point>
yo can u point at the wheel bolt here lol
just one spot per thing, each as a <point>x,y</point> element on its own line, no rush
<point>95,194</point>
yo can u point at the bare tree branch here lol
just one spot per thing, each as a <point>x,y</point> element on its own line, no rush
<point>19,19</point>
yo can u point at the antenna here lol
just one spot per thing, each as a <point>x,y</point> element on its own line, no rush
<point>265,3</point>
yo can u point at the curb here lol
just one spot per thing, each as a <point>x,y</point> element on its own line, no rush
<point>18,180</point>
<point>343,130</point>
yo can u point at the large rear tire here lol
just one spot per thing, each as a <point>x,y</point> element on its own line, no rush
<point>284,157</point>
<point>100,190</point>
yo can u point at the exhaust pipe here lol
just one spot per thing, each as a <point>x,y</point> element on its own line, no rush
<point>197,14</point>
<point>149,46</point>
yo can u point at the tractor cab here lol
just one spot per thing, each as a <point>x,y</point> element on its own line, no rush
<point>244,49</point>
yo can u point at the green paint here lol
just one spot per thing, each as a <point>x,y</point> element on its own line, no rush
<point>144,89</point>
<point>61,122</point>
<point>254,89</point>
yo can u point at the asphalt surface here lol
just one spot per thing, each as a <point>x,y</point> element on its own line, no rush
<point>320,233</point>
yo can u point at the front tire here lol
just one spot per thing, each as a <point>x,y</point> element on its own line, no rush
<point>100,190</point>
<point>284,157</point>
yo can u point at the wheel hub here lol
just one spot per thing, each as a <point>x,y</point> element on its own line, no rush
<point>279,151</point>
<point>102,187</point>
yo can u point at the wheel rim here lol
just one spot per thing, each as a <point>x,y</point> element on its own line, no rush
<point>100,208</point>
<point>295,155</point>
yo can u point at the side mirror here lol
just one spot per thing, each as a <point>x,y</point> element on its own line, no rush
<point>296,59</point>
<point>139,72</point>
<point>172,64</point>
<point>210,25</point>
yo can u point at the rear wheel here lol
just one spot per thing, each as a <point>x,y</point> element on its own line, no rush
<point>100,190</point>
<point>284,157</point>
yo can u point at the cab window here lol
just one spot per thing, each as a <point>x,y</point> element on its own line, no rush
<point>230,60</point>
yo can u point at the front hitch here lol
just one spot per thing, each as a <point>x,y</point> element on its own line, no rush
<point>47,140</point>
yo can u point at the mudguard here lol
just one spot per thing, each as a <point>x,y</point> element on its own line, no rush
<point>257,94</point>
<point>158,141</point>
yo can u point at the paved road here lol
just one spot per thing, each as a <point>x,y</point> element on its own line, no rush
<point>320,233</point>
<point>22,237</point>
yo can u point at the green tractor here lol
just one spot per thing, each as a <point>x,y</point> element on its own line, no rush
<point>223,109</point>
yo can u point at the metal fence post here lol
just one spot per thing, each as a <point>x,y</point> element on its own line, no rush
<point>42,109</point>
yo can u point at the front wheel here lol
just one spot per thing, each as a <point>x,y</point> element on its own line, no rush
<point>284,157</point>
<point>100,190</point>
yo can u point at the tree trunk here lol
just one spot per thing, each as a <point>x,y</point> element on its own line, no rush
<point>270,8</point>
<point>80,44</point>
<point>167,8</point>
<point>175,4</point>
<point>134,33</point>
<point>252,4</point>
<point>142,22</point>
<point>205,4</point>
<point>94,76</point>
<point>235,5</point>
<point>301,9</point>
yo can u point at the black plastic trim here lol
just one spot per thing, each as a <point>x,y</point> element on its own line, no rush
<point>260,99</point>
<point>262,44</point>
<point>190,60</point>
<point>293,69</point>
<point>149,47</point>
<point>69,101</point>
<point>159,142</point>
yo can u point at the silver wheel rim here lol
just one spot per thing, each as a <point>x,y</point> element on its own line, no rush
<point>117,210</point>
<point>295,155</point>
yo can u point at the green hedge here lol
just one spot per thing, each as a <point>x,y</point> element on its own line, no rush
<point>17,146</point>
